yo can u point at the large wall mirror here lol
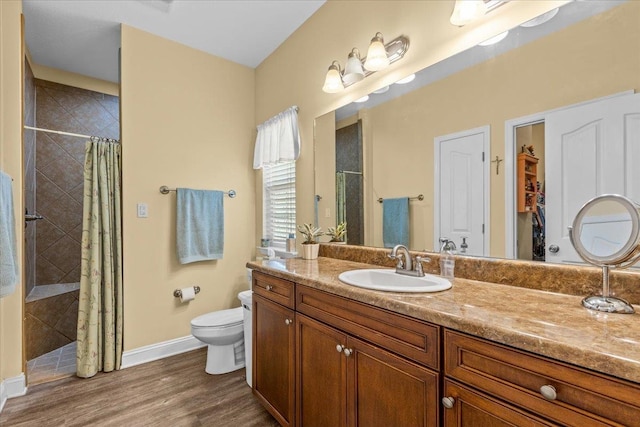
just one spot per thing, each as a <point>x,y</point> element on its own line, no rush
<point>503,142</point>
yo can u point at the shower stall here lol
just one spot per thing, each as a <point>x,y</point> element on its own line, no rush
<point>54,192</point>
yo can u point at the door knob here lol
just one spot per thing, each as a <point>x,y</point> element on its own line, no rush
<point>269,287</point>
<point>339,348</point>
<point>554,249</point>
<point>347,352</point>
<point>287,321</point>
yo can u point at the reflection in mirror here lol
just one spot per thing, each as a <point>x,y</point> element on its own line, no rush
<point>576,57</point>
<point>605,228</point>
<point>606,233</point>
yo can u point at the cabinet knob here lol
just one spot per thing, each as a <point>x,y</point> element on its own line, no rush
<point>287,321</point>
<point>448,402</point>
<point>347,352</point>
<point>339,348</point>
<point>554,249</point>
<point>548,392</point>
<point>269,287</point>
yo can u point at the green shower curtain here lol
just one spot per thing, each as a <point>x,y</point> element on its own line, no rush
<point>100,305</point>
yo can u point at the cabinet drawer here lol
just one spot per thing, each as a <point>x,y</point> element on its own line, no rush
<point>583,398</point>
<point>274,289</point>
<point>400,334</point>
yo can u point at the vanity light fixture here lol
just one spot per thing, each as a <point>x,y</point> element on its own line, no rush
<point>333,80</point>
<point>408,79</point>
<point>494,39</point>
<point>377,58</point>
<point>541,19</point>
<point>466,11</point>
<point>353,72</point>
<point>357,69</point>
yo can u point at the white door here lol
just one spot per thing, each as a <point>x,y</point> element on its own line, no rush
<point>589,150</point>
<point>461,190</point>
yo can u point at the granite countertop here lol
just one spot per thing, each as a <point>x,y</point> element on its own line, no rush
<point>550,324</point>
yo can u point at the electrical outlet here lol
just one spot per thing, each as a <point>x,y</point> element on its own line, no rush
<point>143,210</point>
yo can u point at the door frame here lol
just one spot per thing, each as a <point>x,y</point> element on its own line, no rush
<point>486,201</point>
<point>510,150</point>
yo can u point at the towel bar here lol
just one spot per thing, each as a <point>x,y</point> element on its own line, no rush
<point>165,190</point>
<point>418,197</point>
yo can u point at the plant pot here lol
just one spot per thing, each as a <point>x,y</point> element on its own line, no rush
<point>310,251</point>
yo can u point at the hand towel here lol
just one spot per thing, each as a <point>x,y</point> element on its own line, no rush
<point>395,222</point>
<point>200,225</point>
<point>9,272</point>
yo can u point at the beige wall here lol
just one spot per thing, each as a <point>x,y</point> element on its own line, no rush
<point>11,163</point>
<point>72,79</point>
<point>187,121</point>
<point>579,63</point>
<point>294,73</point>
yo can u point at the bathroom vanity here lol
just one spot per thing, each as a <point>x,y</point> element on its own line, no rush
<point>330,354</point>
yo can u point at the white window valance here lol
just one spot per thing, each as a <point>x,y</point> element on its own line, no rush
<point>278,139</point>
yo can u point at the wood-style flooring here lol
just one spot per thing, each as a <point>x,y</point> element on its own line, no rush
<point>174,391</point>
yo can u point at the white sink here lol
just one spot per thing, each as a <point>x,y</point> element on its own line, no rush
<point>389,280</point>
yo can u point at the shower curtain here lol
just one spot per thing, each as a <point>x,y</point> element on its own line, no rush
<point>100,305</point>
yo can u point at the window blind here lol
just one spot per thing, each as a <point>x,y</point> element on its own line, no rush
<point>279,202</point>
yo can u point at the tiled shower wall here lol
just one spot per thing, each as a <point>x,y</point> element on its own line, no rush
<point>29,177</point>
<point>59,173</point>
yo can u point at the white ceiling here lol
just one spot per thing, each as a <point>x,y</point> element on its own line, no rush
<point>83,36</point>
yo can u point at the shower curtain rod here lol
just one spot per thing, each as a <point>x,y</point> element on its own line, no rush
<point>77,135</point>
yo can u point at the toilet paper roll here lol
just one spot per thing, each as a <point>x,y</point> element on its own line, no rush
<point>187,294</point>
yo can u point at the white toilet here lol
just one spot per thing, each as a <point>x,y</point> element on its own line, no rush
<point>223,331</point>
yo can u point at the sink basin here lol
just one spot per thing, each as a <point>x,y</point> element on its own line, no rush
<point>389,280</point>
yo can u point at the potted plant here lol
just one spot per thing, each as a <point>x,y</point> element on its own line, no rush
<point>337,233</point>
<point>310,245</point>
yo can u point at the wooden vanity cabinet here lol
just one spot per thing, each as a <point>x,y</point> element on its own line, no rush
<point>346,381</point>
<point>273,320</point>
<point>516,381</point>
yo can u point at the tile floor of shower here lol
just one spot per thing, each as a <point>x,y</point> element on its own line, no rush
<point>56,364</point>
<point>51,318</point>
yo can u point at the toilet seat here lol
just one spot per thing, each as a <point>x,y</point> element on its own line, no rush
<point>219,319</point>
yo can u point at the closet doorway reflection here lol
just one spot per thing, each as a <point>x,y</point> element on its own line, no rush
<point>54,191</point>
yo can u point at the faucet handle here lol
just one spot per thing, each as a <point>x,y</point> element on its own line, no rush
<point>419,261</point>
<point>399,258</point>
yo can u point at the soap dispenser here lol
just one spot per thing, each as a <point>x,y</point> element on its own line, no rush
<point>447,260</point>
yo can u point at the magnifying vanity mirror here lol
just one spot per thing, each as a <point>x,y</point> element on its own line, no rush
<point>606,233</point>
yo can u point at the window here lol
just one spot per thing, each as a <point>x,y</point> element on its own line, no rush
<point>279,202</point>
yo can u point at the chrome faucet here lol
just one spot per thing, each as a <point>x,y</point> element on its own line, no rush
<point>405,264</point>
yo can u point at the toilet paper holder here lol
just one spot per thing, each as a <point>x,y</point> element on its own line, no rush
<point>178,293</point>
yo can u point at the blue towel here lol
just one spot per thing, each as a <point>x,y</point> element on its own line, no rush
<point>395,222</point>
<point>200,225</point>
<point>9,272</point>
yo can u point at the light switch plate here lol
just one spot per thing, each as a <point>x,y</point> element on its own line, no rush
<point>143,210</point>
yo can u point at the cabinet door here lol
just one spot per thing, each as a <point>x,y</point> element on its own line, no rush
<point>274,358</point>
<point>470,409</point>
<point>322,374</point>
<point>385,390</point>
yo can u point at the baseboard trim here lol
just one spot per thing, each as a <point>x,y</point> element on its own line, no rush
<point>152,352</point>
<point>12,387</point>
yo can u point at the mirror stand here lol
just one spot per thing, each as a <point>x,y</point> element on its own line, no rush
<point>606,233</point>
<point>606,302</point>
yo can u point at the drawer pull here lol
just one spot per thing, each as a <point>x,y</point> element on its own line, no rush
<point>339,348</point>
<point>548,392</point>
<point>287,322</point>
<point>448,402</point>
<point>269,287</point>
<point>347,352</point>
